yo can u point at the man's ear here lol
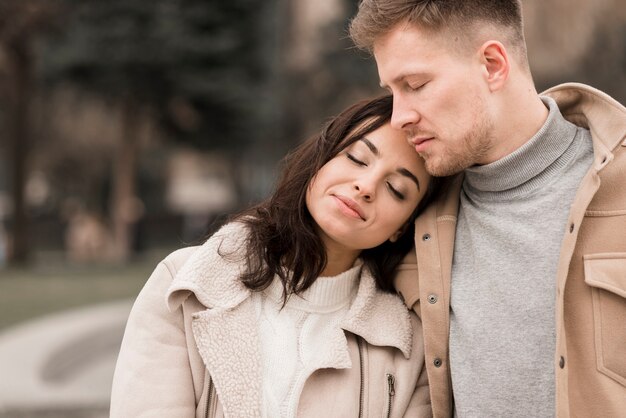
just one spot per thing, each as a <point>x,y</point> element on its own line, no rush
<point>396,235</point>
<point>495,60</point>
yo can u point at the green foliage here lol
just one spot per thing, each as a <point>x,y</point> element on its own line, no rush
<point>197,63</point>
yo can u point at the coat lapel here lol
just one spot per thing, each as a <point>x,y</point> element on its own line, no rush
<point>226,333</point>
<point>228,342</point>
<point>326,349</point>
<point>380,318</point>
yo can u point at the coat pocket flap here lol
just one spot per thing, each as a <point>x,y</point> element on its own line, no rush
<point>606,271</point>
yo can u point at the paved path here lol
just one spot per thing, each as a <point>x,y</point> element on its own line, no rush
<point>61,365</point>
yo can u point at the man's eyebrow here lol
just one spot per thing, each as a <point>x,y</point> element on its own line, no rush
<point>401,170</point>
<point>401,77</point>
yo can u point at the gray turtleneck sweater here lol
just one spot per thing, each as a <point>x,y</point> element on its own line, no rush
<point>512,219</point>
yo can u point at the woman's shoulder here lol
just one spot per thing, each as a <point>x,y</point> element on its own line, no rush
<point>226,237</point>
<point>211,271</point>
<point>176,259</point>
<point>232,231</point>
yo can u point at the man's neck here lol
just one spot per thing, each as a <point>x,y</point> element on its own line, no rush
<point>522,115</point>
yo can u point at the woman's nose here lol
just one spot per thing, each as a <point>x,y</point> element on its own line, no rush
<point>364,190</point>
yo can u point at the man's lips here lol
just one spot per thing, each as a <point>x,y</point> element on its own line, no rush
<point>349,207</point>
<point>420,143</point>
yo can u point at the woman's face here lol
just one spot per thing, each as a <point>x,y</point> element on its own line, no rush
<point>366,193</point>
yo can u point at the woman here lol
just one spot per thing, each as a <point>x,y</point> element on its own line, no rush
<point>288,310</point>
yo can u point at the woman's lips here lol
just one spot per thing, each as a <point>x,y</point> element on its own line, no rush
<point>349,207</point>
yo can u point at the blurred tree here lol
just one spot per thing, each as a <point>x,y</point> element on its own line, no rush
<point>321,70</point>
<point>195,65</point>
<point>21,23</point>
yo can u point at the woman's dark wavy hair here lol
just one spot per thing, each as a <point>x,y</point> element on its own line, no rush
<point>282,237</point>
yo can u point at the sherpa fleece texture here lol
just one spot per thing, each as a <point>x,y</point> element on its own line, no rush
<point>227,333</point>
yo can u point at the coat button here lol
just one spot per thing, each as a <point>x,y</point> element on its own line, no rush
<point>562,362</point>
<point>426,237</point>
<point>437,362</point>
<point>571,228</point>
<point>432,299</point>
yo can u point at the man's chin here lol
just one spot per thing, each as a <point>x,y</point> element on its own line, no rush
<point>437,168</point>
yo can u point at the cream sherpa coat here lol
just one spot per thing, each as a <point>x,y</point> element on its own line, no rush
<point>191,348</point>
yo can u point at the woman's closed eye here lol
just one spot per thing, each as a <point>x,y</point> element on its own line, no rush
<point>355,159</point>
<point>392,189</point>
<point>399,195</point>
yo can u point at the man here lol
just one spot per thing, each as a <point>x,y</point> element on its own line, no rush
<point>520,276</point>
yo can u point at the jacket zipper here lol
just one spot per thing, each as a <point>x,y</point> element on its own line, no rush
<point>361,368</point>
<point>391,391</point>
<point>208,398</point>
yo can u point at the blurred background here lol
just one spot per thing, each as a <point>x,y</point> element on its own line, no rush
<point>130,128</point>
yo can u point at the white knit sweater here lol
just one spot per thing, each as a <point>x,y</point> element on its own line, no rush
<point>294,338</point>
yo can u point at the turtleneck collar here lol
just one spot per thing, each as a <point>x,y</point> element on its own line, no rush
<point>326,294</point>
<point>531,165</point>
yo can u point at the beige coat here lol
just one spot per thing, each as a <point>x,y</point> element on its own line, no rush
<point>191,348</point>
<point>590,357</point>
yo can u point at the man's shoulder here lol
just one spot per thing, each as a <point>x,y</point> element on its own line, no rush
<point>573,93</point>
<point>592,109</point>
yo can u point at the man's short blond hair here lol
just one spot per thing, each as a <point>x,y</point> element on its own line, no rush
<point>462,19</point>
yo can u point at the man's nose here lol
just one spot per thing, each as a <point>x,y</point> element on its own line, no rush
<point>404,113</point>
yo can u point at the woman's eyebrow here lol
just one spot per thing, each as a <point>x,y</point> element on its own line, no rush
<point>371,146</point>
<point>410,175</point>
<point>400,170</point>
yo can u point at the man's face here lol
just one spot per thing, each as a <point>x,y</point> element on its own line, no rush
<point>440,98</point>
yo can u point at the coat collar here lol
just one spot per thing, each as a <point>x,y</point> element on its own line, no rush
<point>213,278</point>
<point>594,110</point>
<point>227,335</point>
<point>380,318</point>
<point>582,105</point>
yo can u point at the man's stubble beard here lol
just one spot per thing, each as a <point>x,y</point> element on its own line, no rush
<point>473,148</point>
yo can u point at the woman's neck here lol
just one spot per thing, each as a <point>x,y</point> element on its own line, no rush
<point>338,261</point>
